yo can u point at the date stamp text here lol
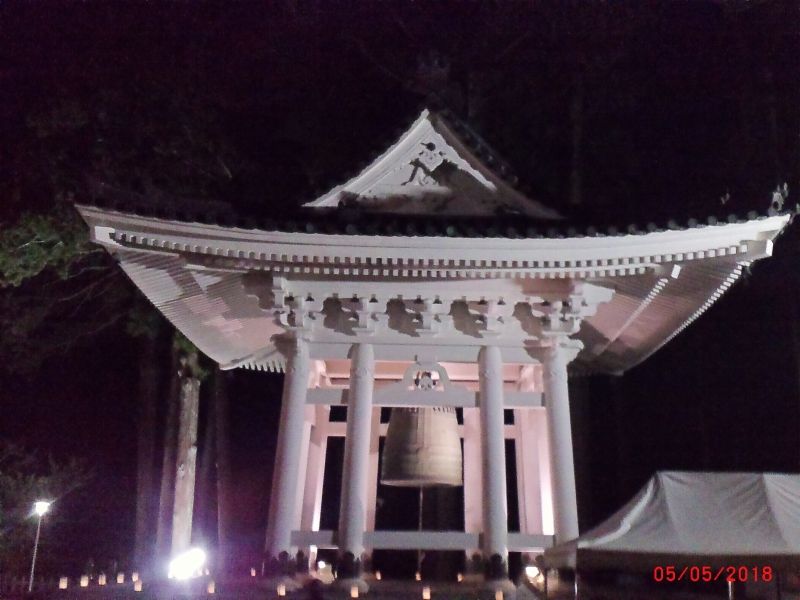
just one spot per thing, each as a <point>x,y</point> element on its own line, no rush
<point>705,573</point>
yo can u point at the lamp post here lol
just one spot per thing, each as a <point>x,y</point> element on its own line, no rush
<point>40,508</point>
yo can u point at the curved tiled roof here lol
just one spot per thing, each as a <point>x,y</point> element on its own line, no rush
<point>352,221</point>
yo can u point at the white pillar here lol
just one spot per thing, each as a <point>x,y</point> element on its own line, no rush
<point>353,512</point>
<point>288,453</point>
<point>528,476</point>
<point>473,498</point>
<point>493,451</point>
<point>315,472</point>
<point>372,480</point>
<point>562,466</point>
<point>315,475</point>
<point>545,480</point>
<point>305,453</point>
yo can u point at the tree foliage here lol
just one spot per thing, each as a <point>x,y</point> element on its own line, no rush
<point>38,241</point>
<point>153,140</point>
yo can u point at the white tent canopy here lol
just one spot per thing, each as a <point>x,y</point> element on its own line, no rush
<point>683,519</point>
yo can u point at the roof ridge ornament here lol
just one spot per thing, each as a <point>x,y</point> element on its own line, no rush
<point>779,197</point>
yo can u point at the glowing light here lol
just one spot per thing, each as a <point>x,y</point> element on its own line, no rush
<point>378,575</point>
<point>418,576</point>
<point>460,577</point>
<point>426,593</point>
<point>252,572</point>
<point>498,595</point>
<point>101,579</point>
<point>187,565</point>
<point>63,583</point>
<point>532,572</point>
<point>40,507</point>
<point>84,581</point>
<point>120,577</point>
<point>211,588</point>
<point>325,572</point>
<point>135,576</point>
<point>354,591</point>
<point>137,585</point>
<point>281,590</point>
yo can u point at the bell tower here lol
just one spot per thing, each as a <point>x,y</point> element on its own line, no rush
<point>427,284</point>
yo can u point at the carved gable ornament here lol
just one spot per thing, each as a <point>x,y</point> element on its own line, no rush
<point>430,170</point>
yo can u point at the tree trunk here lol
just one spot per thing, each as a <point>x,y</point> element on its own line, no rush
<point>146,447</point>
<point>204,513</point>
<point>168,463</point>
<point>223,456</point>
<point>622,432</point>
<point>186,455</point>
<point>795,319</point>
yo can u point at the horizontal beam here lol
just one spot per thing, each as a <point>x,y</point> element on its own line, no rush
<point>320,539</point>
<point>529,542</point>
<point>423,540</point>
<point>339,428</point>
<point>467,399</point>
<point>420,540</point>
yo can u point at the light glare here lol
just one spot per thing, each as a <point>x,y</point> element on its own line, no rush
<point>40,507</point>
<point>187,565</point>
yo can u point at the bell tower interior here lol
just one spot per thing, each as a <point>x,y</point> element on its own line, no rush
<point>425,439</point>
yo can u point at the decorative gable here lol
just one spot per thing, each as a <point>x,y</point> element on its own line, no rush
<point>430,170</point>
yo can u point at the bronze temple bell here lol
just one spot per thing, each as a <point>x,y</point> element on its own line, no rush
<point>422,447</point>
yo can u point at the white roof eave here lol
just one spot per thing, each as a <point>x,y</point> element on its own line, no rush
<point>214,239</point>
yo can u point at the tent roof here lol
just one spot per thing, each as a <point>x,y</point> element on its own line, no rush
<point>686,518</point>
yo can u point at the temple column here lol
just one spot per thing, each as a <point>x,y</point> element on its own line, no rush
<point>372,481</point>
<point>315,475</point>
<point>493,452</point>
<point>473,499</point>
<point>288,454</point>
<point>302,474</point>
<point>353,512</point>
<point>562,466</point>
<point>528,477</point>
<point>545,480</point>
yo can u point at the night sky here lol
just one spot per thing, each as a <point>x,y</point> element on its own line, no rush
<point>681,104</point>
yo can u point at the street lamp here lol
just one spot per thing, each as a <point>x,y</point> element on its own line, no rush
<point>40,508</point>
